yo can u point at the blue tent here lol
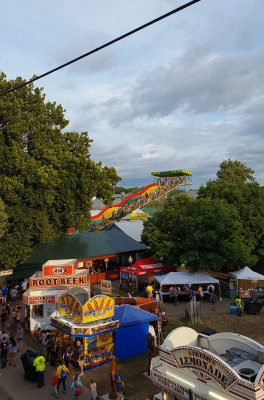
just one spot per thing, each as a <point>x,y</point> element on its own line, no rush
<point>131,337</point>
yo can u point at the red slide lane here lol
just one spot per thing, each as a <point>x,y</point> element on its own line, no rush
<point>123,201</point>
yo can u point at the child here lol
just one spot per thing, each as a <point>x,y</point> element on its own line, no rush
<point>54,383</point>
<point>119,380</point>
<point>93,390</point>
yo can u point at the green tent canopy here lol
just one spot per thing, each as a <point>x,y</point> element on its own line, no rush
<point>170,174</point>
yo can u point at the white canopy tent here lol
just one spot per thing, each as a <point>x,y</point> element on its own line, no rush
<point>246,274</point>
<point>186,278</point>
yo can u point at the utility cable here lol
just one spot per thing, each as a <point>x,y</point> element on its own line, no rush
<point>103,46</point>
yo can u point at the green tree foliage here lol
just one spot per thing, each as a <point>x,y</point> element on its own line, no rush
<point>204,234</point>
<point>3,218</point>
<point>234,172</point>
<point>223,228</point>
<point>47,178</point>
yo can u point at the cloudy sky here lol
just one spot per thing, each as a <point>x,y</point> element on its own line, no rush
<point>185,93</point>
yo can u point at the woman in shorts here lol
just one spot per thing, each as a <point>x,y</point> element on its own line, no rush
<point>12,351</point>
<point>20,337</point>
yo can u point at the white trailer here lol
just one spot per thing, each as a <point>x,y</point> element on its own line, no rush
<point>222,366</point>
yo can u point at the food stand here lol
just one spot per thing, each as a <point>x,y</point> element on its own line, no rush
<point>185,280</point>
<point>144,268</point>
<point>88,320</point>
<point>222,366</point>
<point>246,277</point>
<point>47,285</point>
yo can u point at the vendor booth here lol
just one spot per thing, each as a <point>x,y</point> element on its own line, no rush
<point>88,320</point>
<point>131,337</point>
<point>47,285</point>
<point>247,280</point>
<point>184,280</point>
<point>144,268</point>
<point>221,366</point>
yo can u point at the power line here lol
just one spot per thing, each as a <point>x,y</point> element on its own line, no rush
<point>104,45</point>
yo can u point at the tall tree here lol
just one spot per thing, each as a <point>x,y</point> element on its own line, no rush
<point>234,172</point>
<point>204,234</point>
<point>47,177</point>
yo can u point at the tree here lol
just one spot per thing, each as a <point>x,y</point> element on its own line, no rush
<point>234,172</point>
<point>3,218</point>
<point>47,178</point>
<point>204,234</point>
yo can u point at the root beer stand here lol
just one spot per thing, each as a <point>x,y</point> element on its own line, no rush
<point>47,285</point>
<point>88,320</point>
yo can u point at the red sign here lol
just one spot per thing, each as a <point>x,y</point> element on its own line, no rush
<point>39,299</point>
<point>106,259</point>
<point>55,270</point>
<point>42,299</point>
<point>58,281</point>
<point>6,272</point>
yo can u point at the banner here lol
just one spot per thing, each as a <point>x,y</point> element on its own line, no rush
<point>6,272</point>
<point>60,325</point>
<point>205,363</point>
<point>70,306</point>
<point>98,307</point>
<point>95,330</point>
<point>74,280</point>
<point>142,215</point>
<point>106,286</point>
<point>39,299</point>
<point>98,356</point>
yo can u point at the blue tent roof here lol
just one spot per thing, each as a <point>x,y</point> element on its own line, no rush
<point>129,315</point>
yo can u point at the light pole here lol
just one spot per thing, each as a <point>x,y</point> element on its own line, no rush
<point>130,260</point>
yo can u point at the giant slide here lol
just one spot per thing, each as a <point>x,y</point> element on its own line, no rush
<point>132,198</point>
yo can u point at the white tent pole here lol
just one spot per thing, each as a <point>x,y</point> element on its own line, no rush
<point>220,292</point>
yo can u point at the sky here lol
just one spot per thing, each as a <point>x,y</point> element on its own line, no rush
<point>185,93</point>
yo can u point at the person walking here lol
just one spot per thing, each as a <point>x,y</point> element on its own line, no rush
<point>18,316</point>
<point>93,390</point>
<point>53,350</point>
<point>20,337</point>
<point>39,364</point>
<point>149,290</point>
<point>12,351</point>
<point>62,372</point>
<point>4,319</point>
<point>39,337</point>
<point>54,383</point>
<point>239,306</point>
<point>213,301</point>
<point>67,355</point>
<point>80,355</point>
<point>76,387</point>
<point>175,295</point>
<point>4,295</point>
<point>3,349</point>
<point>119,380</point>
<point>164,319</point>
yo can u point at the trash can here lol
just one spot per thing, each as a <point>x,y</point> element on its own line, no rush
<point>233,308</point>
<point>27,360</point>
<point>252,307</point>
